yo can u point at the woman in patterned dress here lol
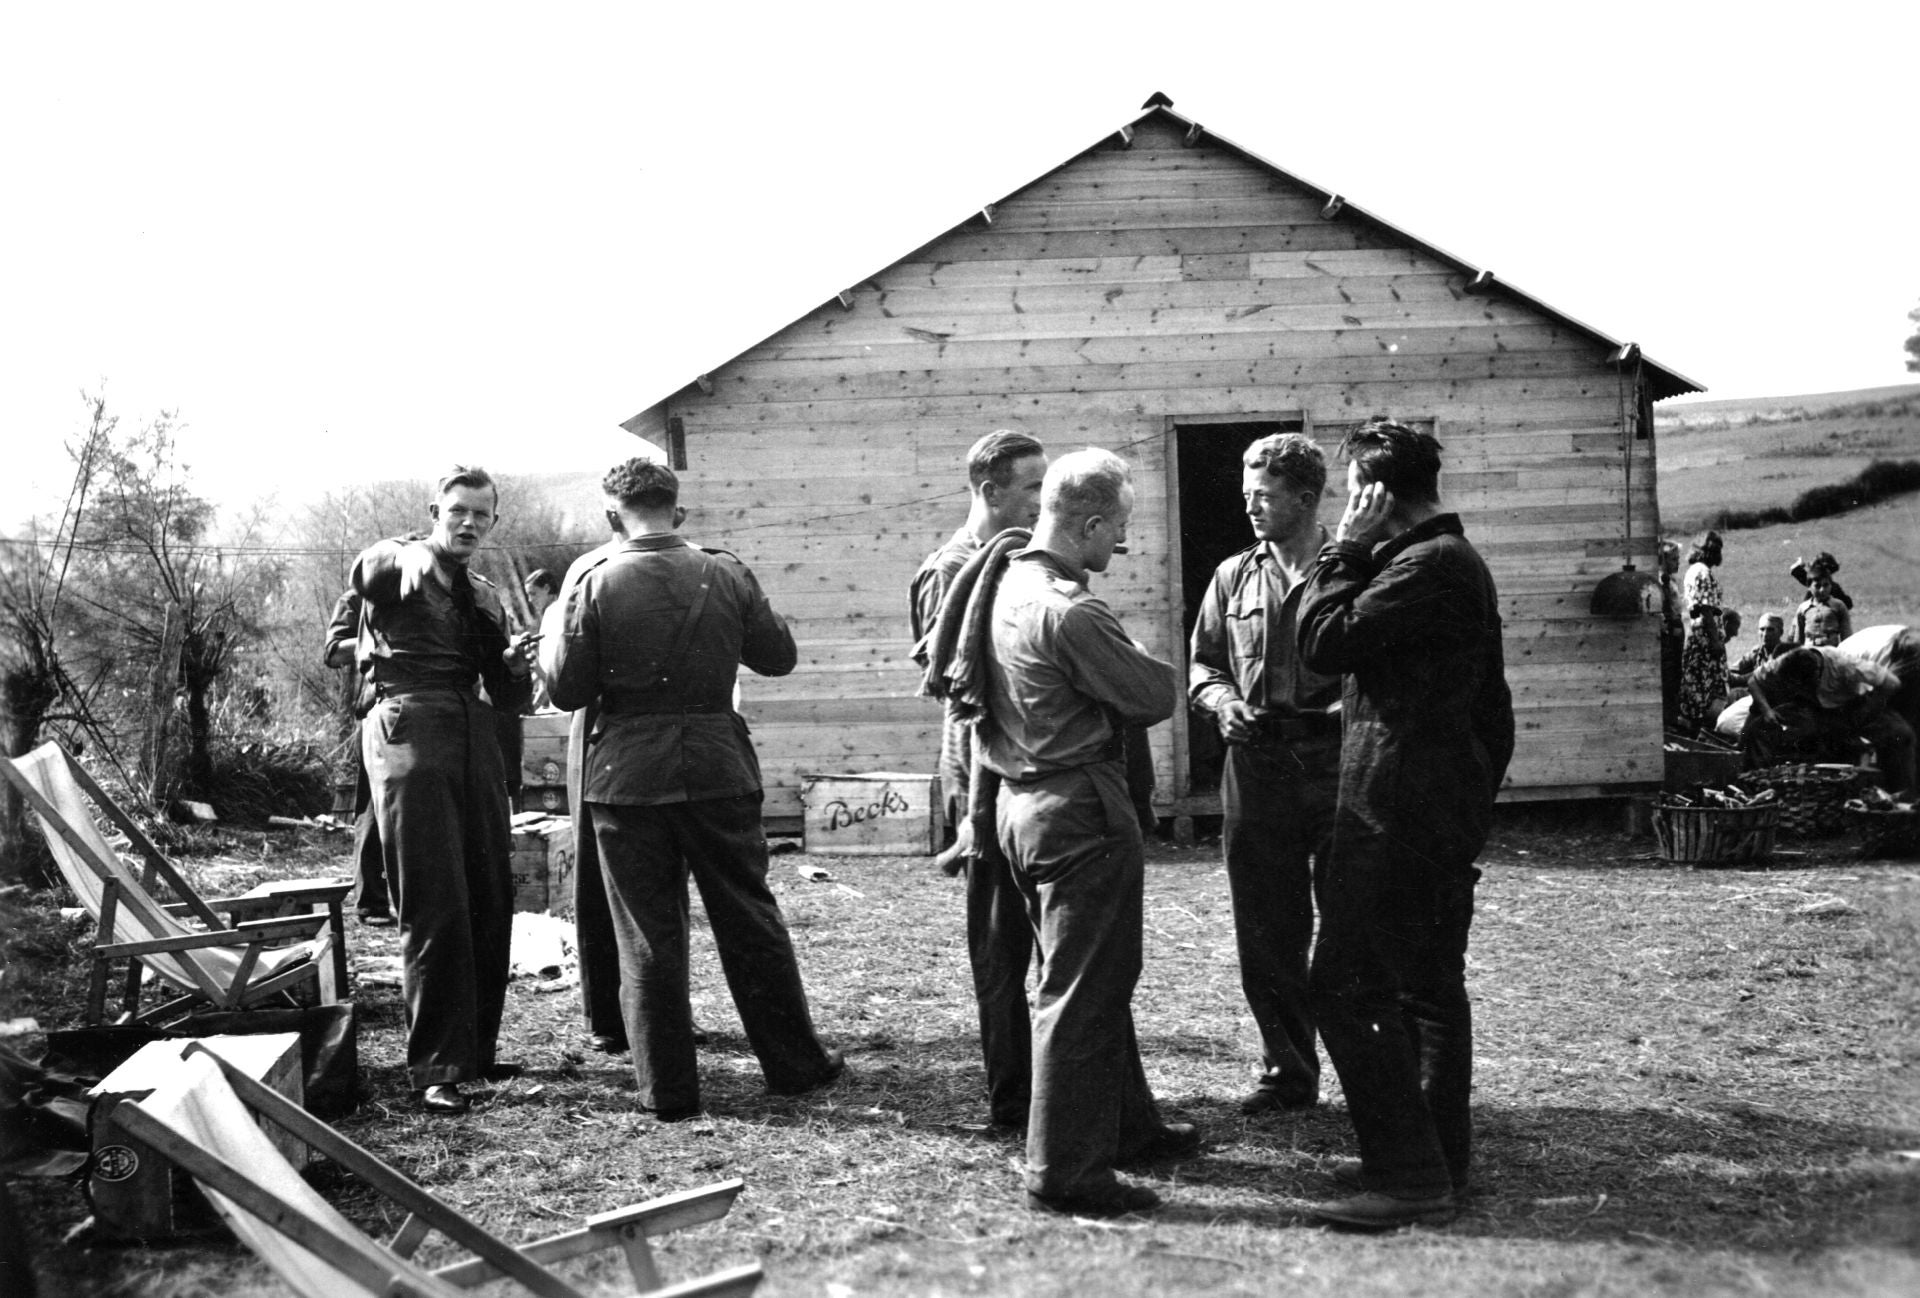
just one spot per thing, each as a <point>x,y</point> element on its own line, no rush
<point>1703,663</point>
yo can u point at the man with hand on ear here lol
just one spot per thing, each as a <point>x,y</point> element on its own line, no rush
<point>1403,609</point>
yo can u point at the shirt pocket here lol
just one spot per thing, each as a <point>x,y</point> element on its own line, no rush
<point>1247,633</point>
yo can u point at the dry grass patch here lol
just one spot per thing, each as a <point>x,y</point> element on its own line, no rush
<point>1688,1081</point>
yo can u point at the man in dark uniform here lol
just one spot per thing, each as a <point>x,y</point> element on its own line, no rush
<point>1281,723</point>
<point>1063,680</point>
<point>373,901</point>
<point>430,631</point>
<point>1004,471</point>
<point>1404,609</point>
<point>653,637</point>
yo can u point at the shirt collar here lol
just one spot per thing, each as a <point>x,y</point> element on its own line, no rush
<point>654,541</point>
<point>1425,530</point>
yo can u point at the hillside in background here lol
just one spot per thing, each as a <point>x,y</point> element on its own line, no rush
<point>1761,451</point>
<point>1764,451</point>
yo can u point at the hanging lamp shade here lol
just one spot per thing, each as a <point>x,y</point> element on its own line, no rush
<point>1627,593</point>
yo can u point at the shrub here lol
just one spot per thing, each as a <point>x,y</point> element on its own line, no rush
<point>270,774</point>
<point>1879,480</point>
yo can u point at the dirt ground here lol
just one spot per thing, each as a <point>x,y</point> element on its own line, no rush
<point>1687,1081</point>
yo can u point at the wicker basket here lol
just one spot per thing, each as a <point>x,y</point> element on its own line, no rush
<point>1885,833</point>
<point>1812,798</point>
<point>1716,835</point>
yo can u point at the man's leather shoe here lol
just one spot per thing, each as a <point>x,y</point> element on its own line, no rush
<point>1174,1140</point>
<point>444,1098</point>
<point>1267,1099</point>
<point>1372,1210</point>
<point>670,1115</point>
<point>500,1072</point>
<point>1113,1201</point>
<point>608,1044</point>
<point>376,918</point>
<point>836,1065</point>
<point>1346,1174</point>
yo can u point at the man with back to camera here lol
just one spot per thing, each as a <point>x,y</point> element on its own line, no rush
<point>653,635</point>
<point>1281,723</point>
<point>431,629</point>
<point>1063,680</point>
<point>1004,473</point>
<point>1405,611</point>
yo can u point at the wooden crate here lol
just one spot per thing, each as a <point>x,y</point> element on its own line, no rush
<point>875,813</point>
<point>560,870</point>
<point>529,865</point>
<point>137,1194</point>
<point>550,798</point>
<point>543,752</point>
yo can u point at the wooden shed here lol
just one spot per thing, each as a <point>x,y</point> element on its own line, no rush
<point>1170,296</point>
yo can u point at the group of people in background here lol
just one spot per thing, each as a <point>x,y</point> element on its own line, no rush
<point>1808,688</point>
<point>1355,674</point>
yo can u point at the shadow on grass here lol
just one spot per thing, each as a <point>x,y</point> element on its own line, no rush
<point>1732,1176</point>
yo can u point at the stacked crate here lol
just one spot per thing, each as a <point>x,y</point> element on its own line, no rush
<point>543,763</point>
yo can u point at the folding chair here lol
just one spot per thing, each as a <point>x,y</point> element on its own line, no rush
<point>229,966</point>
<point>202,1120</point>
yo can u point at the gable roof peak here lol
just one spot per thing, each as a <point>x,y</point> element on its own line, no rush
<point>1157,99</point>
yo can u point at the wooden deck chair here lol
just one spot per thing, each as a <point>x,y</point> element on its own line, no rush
<point>228,965</point>
<point>202,1120</point>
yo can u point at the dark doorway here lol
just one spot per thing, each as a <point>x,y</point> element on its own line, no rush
<point>1213,526</point>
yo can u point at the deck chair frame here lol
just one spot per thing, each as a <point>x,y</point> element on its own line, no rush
<point>254,935</point>
<point>370,1263</point>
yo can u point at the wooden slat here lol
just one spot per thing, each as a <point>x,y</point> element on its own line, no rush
<point>872,323</point>
<point>1300,298</point>
<point>1167,268</point>
<point>975,245</point>
<point>881,349</point>
<point>1154,211</point>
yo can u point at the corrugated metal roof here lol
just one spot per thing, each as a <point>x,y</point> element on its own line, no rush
<point>1664,381</point>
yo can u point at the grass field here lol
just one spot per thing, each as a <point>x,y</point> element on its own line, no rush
<point>1687,1082</point>
<point>1755,453</point>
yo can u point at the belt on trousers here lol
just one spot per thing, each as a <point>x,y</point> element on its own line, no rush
<point>395,689</point>
<point>1269,729</point>
<point>1029,781</point>
<point>662,708</point>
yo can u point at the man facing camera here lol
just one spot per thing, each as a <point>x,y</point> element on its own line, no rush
<point>1281,723</point>
<point>652,637</point>
<point>430,631</point>
<point>1063,681</point>
<point>1403,609</point>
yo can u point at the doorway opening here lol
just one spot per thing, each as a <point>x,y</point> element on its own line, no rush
<point>1213,526</point>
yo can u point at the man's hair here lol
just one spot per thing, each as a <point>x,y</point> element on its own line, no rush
<point>1799,669</point>
<point>1730,619</point>
<point>993,456</point>
<point>1081,484</point>
<point>467,475</point>
<point>1772,619</point>
<point>1406,461</point>
<point>543,579</point>
<point>643,485</point>
<point>1293,456</point>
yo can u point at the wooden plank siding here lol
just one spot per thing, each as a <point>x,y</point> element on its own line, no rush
<point>1103,303</point>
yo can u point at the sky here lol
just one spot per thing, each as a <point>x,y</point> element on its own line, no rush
<point>352,242</point>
